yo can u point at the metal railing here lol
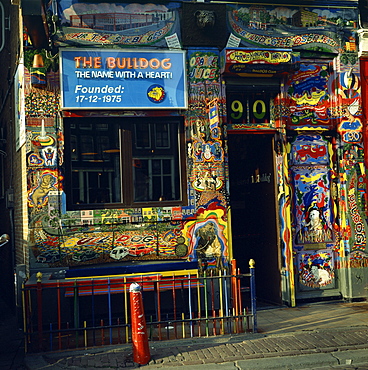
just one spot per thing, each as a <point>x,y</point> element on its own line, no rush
<point>81,313</point>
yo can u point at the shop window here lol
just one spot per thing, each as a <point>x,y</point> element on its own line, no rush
<point>124,162</point>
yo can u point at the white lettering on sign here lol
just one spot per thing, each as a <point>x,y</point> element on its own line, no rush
<point>122,74</point>
<point>103,74</point>
<point>80,89</point>
<point>158,75</point>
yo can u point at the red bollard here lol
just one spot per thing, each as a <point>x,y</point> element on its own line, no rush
<point>141,352</point>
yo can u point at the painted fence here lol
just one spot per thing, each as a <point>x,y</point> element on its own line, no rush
<point>81,313</point>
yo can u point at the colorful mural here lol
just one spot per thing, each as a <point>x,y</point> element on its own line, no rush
<point>122,24</point>
<point>284,195</point>
<point>311,182</point>
<point>316,268</point>
<point>349,97</point>
<point>352,185</point>
<point>71,238</point>
<point>313,113</point>
<point>354,201</point>
<point>308,99</point>
<point>205,151</point>
<point>208,243</point>
<point>106,243</point>
<point>208,239</point>
<point>307,28</point>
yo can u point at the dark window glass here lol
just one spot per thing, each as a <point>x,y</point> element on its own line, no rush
<point>123,161</point>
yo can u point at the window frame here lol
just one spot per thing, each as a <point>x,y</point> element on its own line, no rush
<point>126,127</point>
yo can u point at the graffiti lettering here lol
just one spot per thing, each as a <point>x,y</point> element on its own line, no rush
<point>360,238</point>
<point>109,38</point>
<point>135,238</point>
<point>204,61</point>
<point>206,73</point>
<point>287,41</point>
<point>256,56</point>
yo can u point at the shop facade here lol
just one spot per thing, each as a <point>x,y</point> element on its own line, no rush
<point>200,133</point>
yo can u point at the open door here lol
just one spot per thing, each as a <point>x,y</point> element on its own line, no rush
<point>253,207</point>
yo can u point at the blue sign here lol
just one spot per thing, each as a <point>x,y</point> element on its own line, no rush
<point>123,79</point>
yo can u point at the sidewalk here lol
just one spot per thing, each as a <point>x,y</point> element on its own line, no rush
<point>310,336</point>
<point>11,340</point>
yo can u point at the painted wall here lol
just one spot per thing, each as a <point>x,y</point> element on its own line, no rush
<point>61,238</point>
<point>327,171</point>
<point>319,163</point>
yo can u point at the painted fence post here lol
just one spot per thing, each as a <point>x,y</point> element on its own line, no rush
<point>141,352</point>
<point>39,310</point>
<point>253,297</point>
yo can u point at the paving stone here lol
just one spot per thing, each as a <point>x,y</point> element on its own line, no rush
<point>256,355</point>
<point>251,348</point>
<point>170,358</point>
<point>193,362</point>
<point>232,348</point>
<point>113,361</point>
<point>274,345</point>
<point>310,350</point>
<point>91,362</point>
<point>288,353</point>
<point>224,352</point>
<point>329,349</point>
<point>205,352</point>
<point>179,357</point>
<point>83,361</point>
<point>212,360</point>
<point>197,355</point>
<point>75,361</point>
<point>172,364</point>
<point>229,359</point>
<point>337,341</point>
<point>214,351</point>
<point>222,349</point>
<point>186,356</point>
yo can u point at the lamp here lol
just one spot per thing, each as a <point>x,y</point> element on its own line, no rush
<point>4,239</point>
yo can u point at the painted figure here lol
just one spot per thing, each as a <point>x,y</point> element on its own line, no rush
<point>42,190</point>
<point>49,154</point>
<point>314,226</point>
<point>208,244</point>
<point>321,276</point>
<point>315,268</point>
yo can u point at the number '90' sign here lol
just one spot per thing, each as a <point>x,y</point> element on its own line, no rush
<point>248,107</point>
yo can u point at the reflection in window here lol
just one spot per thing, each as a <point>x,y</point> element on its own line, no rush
<point>123,161</point>
<point>155,171</point>
<point>95,167</point>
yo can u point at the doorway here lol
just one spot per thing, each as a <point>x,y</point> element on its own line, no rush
<point>253,210</point>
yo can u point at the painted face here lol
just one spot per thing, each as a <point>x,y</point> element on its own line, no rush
<point>314,215</point>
